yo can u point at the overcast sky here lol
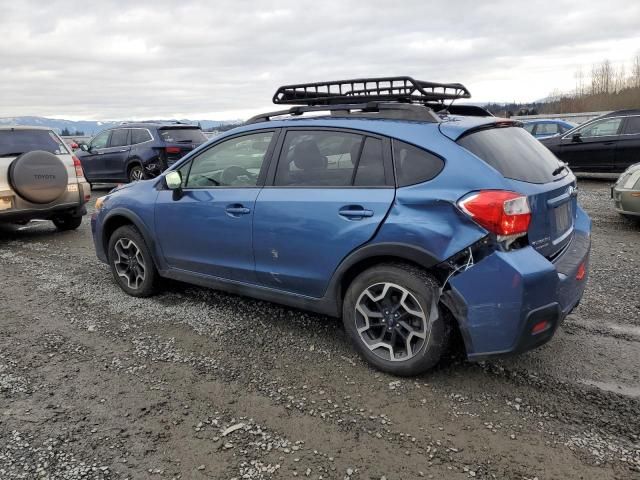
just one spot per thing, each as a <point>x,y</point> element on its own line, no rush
<point>125,59</point>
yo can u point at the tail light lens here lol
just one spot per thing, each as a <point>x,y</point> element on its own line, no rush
<point>507,214</point>
<point>78,166</point>
<point>172,149</point>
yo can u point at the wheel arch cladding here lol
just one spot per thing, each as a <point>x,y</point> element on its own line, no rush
<point>119,218</point>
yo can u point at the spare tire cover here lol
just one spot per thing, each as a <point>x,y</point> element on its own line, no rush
<point>38,176</point>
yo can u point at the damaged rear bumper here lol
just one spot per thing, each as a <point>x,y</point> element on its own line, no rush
<point>511,302</point>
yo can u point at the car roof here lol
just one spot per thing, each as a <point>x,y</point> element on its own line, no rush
<point>617,113</point>
<point>153,125</point>
<point>416,132</point>
<point>24,127</point>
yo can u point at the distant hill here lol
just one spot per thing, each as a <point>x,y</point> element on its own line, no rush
<point>90,127</point>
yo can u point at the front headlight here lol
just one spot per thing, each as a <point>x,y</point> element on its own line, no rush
<point>100,203</point>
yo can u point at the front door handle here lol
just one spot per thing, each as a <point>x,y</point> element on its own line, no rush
<point>608,143</point>
<point>237,209</point>
<point>355,212</point>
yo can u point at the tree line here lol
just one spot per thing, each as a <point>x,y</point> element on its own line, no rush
<point>605,87</point>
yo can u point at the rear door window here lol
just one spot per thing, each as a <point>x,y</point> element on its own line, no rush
<point>513,152</point>
<point>16,142</point>
<point>318,159</point>
<point>415,165</point>
<point>182,135</point>
<point>547,129</point>
<point>119,137</point>
<point>370,170</point>
<point>633,126</point>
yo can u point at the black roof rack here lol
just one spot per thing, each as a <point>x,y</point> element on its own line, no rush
<point>362,90</point>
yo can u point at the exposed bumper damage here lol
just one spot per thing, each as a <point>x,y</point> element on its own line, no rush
<point>510,302</point>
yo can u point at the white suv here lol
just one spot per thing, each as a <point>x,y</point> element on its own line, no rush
<point>40,178</point>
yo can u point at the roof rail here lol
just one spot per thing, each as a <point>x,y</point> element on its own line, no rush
<point>394,111</point>
<point>398,89</point>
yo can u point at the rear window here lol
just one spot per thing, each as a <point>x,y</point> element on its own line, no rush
<point>17,142</point>
<point>514,153</point>
<point>183,135</point>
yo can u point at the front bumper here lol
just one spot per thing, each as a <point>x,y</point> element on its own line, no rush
<point>502,302</point>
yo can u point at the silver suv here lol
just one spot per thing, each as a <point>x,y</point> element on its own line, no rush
<point>40,178</point>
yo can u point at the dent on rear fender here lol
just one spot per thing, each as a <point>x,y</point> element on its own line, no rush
<point>433,225</point>
<point>490,298</point>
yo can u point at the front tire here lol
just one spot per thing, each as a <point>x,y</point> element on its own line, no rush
<point>67,222</point>
<point>391,315</point>
<point>131,262</point>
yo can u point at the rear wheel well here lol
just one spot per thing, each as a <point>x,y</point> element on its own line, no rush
<point>354,270</point>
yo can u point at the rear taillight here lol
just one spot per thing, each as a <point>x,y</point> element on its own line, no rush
<point>172,149</point>
<point>78,166</point>
<point>507,214</point>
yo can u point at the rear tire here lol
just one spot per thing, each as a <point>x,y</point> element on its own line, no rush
<point>67,222</point>
<point>136,173</point>
<point>391,315</point>
<point>131,262</point>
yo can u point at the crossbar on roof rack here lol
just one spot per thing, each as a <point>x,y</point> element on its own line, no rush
<point>398,111</point>
<point>398,89</point>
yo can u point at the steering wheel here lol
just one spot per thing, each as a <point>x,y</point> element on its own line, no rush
<point>231,174</point>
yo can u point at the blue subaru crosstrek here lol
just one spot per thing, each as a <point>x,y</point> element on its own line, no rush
<point>374,200</point>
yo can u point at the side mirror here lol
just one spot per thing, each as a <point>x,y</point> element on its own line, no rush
<point>84,147</point>
<point>576,137</point>
<point>174,182</point>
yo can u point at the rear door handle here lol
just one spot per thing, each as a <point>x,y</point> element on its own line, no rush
<point>355,212</point>
<point>237,209</point>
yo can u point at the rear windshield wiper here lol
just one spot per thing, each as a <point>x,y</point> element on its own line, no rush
<point>11,154</point>
<point>559,169</point>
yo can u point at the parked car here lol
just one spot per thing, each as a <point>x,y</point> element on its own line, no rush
<point>547,128</point>
<point>136,151</point>
<point>40,178</point>
<point>406,223</point>
<point>608,144</point>
<point>626,193</point>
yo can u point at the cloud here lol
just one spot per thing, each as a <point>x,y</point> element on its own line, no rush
<point>151,59</point>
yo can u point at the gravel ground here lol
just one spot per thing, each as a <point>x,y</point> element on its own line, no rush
<point>197,384</point>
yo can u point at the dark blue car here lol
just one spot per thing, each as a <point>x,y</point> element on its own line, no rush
<point>391,211</point>
<point>137,151</point>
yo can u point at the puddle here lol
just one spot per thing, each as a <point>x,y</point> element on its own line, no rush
<point>614,387</point>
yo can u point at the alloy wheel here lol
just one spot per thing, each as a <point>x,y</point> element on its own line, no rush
<point>129,263</point>
<point>136,174</point>
<point>391,322</point>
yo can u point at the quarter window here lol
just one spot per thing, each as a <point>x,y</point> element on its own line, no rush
<point>233,163</point>
<point>139,135</point>
<point>601,128</point>
<point>414,165</point>
<point>119,137</point>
